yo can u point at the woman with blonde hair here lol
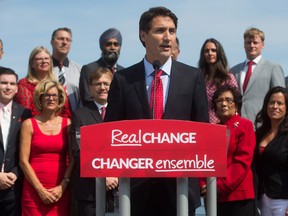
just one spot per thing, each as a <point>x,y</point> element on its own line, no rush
<point>44,146</point>
<point>40,67</point>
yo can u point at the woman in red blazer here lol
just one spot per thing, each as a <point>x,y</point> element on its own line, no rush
<point>236,190</point>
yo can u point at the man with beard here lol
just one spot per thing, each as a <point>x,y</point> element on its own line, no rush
<point>110,44</point>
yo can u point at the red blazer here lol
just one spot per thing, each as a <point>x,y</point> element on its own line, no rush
<point>238,183</point>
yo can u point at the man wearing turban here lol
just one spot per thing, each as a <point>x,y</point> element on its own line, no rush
<point>110,44</point>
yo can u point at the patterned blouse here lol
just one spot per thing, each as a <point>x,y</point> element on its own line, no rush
<point>25,94</point>
<point>210,90</point>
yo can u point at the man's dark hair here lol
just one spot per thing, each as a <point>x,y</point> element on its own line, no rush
<point>61,29</point>
<point>147,17</point>
<point>8,71</point>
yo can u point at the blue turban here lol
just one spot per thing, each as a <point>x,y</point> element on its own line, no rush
<point>110,33</point>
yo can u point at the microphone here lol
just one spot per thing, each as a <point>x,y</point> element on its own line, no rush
<point>156,66</point>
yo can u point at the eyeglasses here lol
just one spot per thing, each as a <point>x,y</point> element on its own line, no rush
<point>221,100</point>
<point>48,96</point>
<point>116,44</point>
<point>42,59</point>
<point>99,84</point>
<point>69,40</point>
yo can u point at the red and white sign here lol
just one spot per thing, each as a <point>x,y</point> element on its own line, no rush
<point>153,148</point>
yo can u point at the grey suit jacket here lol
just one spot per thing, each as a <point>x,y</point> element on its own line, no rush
<point>265,76</point>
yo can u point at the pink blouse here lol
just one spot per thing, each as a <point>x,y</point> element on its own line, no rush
<point>210,90</point>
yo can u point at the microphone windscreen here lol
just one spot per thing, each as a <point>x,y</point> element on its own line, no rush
<point>156,64</point>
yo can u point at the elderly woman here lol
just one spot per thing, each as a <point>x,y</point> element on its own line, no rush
<point>272,152</point>
<point>44,148</point>
<point>213,63</point>
<point>236,190</point>
<point>40,68</point>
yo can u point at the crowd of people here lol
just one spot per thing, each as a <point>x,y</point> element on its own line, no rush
<point>41,116</point>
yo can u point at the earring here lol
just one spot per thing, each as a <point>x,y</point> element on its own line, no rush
<point>236,113</point>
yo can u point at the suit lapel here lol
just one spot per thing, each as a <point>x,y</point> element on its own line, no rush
<point>140,86</point>
<point>176,78</point>
<point>238,75</point>
<point>258,69</point>
<point>94,111</point>
<point>1,141</point>
<point>15,116</point>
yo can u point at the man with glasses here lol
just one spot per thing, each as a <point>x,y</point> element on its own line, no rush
<point>91,113</point>
<point>110,44</point>
<point>66,71</point>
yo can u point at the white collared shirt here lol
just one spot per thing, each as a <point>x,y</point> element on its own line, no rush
<point>100,106</point>
<point>244,71</point>
<point>5,123</point>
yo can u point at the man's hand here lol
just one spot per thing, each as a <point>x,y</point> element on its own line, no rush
<point>7,180</point>
<point>111,183</point>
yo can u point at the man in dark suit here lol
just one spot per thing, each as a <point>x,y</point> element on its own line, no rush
<point>91,113</point>
<point>184,98</point>
<point>110,44</point>
<point>11,119</point>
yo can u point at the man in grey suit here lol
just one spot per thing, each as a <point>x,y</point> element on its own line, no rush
<point>265,74</point>
<point>254,82</point>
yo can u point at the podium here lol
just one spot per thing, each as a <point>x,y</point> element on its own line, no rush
<point>131,149</point>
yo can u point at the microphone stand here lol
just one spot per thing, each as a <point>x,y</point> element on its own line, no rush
<point>156,66</point>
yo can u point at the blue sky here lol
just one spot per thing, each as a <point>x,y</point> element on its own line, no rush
<point>25,24</point>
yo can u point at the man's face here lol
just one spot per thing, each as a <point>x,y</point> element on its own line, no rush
<point>8,88</point>
<point>1,50</point>
<point>99,88</point>
<point>111,51</point>
<point>159,39</point>
<point>61,43</point>
<point>253,46</point>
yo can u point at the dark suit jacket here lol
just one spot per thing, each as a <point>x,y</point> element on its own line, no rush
<point>85,74</point>
<point>128,99</point>
<point>272,168</point>
<point>87,115</point>
<point>18,115</point>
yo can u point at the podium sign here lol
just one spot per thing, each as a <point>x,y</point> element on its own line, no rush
<point>153,148</point>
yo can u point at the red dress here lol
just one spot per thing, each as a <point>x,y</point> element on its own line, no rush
<point>48,158</point>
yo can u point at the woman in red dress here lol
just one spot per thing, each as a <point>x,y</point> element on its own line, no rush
<point>44,148</point>
<point>40,67</point>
